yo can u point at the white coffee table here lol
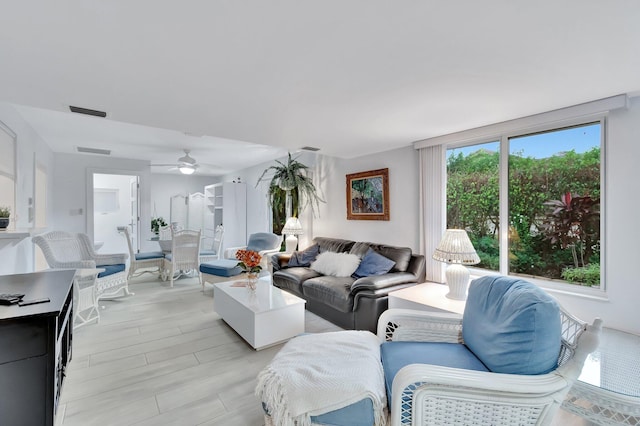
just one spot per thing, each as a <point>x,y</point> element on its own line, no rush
<point>263,317</point>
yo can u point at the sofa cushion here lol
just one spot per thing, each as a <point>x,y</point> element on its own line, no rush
<point>292,278</point>
<point>336,264</point>
<point>373,263</point>
<point>512,326</point>
<point>149,255</point>
<point>262,241</point>
<point>304,257</point>
<point>335,245</point>
<point>396,355</point>
<point>332,291</point>
<point>111,269</point>
<point>400,255</point>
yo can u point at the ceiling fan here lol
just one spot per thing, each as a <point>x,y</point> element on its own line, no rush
<point>187,165</point>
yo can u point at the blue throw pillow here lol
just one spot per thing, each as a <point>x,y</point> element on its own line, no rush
<point>304,257</point>
<point>373,263</point>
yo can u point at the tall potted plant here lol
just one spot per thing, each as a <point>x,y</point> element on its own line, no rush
<point>291,177</point>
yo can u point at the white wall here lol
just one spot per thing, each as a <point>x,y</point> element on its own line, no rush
<point>401,229</point>
<point>17,255</point>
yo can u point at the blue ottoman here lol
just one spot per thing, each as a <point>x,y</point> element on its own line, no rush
<point>222,268</point>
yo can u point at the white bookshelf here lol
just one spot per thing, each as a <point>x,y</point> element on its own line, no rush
<point>226,205</point>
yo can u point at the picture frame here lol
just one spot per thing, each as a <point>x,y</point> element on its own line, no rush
<point>368,195</point>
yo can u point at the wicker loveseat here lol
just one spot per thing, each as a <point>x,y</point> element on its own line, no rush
<point>350,302</point>
<point>71,250</point>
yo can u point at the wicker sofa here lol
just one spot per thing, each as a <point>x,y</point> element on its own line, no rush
<point>350,302</point>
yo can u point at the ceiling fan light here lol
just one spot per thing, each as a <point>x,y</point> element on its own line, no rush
<point>187,169</point>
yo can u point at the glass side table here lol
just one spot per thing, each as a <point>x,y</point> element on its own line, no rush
<point>608,389</point>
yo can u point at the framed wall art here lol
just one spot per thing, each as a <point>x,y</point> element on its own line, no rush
<point>368,195</point>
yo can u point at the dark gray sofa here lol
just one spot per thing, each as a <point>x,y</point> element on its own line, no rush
<point>348,302</point>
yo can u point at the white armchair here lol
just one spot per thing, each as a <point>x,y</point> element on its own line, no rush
<point>426,393</point>
<point>265,243</point>
<point>70,250</point>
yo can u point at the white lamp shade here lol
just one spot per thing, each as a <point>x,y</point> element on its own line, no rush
<point>456,247</point>
<point>292,227</point>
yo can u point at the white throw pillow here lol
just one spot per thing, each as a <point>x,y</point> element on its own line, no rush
<point>336,264</point>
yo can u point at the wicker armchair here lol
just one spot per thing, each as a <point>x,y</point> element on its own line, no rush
<point>265,243</point>
<point>184,256</point>
<point>426,394</point>
<point>70,250</point>
<point>144,262</point>
<point>213,253</point>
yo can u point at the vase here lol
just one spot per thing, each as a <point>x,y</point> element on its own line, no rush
<point>4,222</point>
<point>252,280</point>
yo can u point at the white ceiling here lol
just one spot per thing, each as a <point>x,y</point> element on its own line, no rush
<point>349,77</point>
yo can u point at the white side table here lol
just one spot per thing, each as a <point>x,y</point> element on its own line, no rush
<point>85,303</point>
<point>426,297</point>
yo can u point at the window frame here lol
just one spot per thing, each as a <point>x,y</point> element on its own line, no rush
<point>503,137</point>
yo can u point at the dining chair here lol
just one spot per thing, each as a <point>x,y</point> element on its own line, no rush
<point>213,253</point>
<point>184,256</point>
<point>143,262</point>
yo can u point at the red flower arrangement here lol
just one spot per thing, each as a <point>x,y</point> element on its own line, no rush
<point>249,260</point>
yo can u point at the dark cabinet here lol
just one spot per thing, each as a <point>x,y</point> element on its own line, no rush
<point>35,346</point>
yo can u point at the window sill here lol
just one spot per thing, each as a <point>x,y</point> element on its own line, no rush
<point>596,294</point>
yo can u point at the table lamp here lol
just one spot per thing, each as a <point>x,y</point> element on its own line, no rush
<point>456,249</point>
<point>292,228</point>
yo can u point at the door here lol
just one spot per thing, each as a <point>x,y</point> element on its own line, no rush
<point>115,203</point>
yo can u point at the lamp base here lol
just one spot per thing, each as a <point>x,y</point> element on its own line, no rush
<point>290,243</point>
<point>458,281</point>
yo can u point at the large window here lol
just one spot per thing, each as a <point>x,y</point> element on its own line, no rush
<point>551,214</point>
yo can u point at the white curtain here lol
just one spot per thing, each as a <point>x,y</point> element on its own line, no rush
<point>433,209</point>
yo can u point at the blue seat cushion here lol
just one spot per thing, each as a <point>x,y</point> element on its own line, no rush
<point>208,253</point>
<point>357,414</point>
<point>262,241</point>
<point>396,355</point>
<point>111,269</point>
<point>221,268</point>
<point>150,255</point>
<point>512,326</point>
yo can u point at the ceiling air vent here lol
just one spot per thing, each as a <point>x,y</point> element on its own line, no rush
<point>310,148</point>
<point>88,111</point>
<point>93,150</point>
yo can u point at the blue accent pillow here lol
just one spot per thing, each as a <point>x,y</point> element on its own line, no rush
<point>373,263</point>
<point>512,326</point>
<point>304,257</point>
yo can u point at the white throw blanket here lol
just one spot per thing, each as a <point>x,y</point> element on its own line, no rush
<point>317,373</point>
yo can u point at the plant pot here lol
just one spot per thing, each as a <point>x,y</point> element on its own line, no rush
<point>4,223</point>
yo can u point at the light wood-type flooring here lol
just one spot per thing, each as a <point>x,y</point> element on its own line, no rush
<point>164,357</point>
